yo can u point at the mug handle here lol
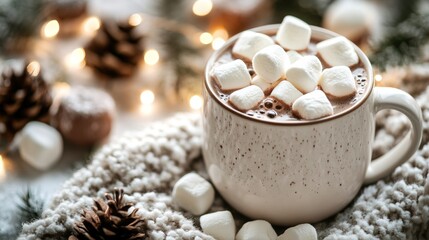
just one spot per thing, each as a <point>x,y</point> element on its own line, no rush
<point>392,98</point>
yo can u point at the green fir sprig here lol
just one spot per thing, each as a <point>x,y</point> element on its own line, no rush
<point>19,21</point>
<point>30,206</point>
<point>403,44</point>
<point>176,47</point>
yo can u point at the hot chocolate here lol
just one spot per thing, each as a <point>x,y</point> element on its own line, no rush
<point>273,109</point>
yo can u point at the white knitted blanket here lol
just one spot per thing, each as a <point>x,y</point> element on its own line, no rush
<point>146,165</point>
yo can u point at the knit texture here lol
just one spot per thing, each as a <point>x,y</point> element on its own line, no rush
<point>146,165</point>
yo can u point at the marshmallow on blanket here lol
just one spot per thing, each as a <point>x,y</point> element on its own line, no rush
<point>300,232</point>
<point>219,225</point>
<point>271,63</point>
<point>40,145</point>
<point>246,98</point>
<point>293,33</point>
<point>193,193</point>
<point>256,230</point>
<point>304,74</point>
<point>312,105</point>
<point>338,82</point>
<point>258,81</point>
<point>249,43</point>
<point>286,92</point>
<point>338,51</point>
<point>232,75</point>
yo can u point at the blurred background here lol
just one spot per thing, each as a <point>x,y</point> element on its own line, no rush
<point>149,57</point>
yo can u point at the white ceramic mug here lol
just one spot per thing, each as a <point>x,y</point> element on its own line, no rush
<point>303,171</point>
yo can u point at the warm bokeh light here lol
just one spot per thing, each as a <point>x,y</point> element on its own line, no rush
<point>202,7</point>
<point>33,68</point>
<point>91,24</point>
<point>135,19</point>
<point>206,38</point>
<point>60,89</point>
<point>147,97</point>
<point>221,33</point>
<point>76,59</point>
<point>196,102</point>
<point>151,57</point>
<point>378,77</point>
<point>50,29</point>
<point>2,169</point>
<point>217,43</point>
<point>219,37</point>
<point>146,110</point>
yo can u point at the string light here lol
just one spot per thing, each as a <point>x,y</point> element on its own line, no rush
<point>378,77</point>
<point>50,29</point>
<point>147,97</point>
<point>135,19</point>
<point>196,102</point>
<point>33,68</point>
<point>217,43</point>
<point>219,37</point>
<point>206,38</point>
<point>60,89</point>
<point>76,59</point>
<point>202,7</point>
<point>91,24</point>
<point>151,57</point>
<point>221,33</point>
<point>2,169</point>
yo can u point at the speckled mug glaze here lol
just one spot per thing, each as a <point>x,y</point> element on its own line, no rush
<point>304,171</point>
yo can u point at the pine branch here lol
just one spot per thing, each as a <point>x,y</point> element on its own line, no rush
<point>30,207</point>
<point>19,20</point>
<point>400,10</point>
<point>310,11</point>
<point>176,46</point>
<point>402,45</point>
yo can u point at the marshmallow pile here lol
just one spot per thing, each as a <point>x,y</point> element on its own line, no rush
<point>196,195</point>
<point>285,72</point>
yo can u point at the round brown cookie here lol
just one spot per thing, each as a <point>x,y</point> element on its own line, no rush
<point>85,116</point>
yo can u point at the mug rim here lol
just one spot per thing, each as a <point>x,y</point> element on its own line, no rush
<point>319,32</point>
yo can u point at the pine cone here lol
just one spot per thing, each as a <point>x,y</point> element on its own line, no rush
<point>24,97</point>
<point>115,50</point>
<point>110,221</point>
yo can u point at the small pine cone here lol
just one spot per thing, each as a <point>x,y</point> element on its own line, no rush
<point>24,97</point>
<point>110,221</point>
<point>115,50</point>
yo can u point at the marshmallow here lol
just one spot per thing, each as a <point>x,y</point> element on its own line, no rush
<point>300,232</point>
<point>256,230</point>
<point>270,63</point>
<point>338,51</point>
<point>246,98</point>
<point>293,34</point>
<point>338,81</point>
<point>249,43</point>
<point>293,56</point>
<point>286,92</point>
<point>219,225</point>
<point>232,75</point>
<point>193,193</point>
<point>40,145</point>
<point>353,19</point>
<point>304,74</point>
<point>258,81</point>
<point>312,106</point>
